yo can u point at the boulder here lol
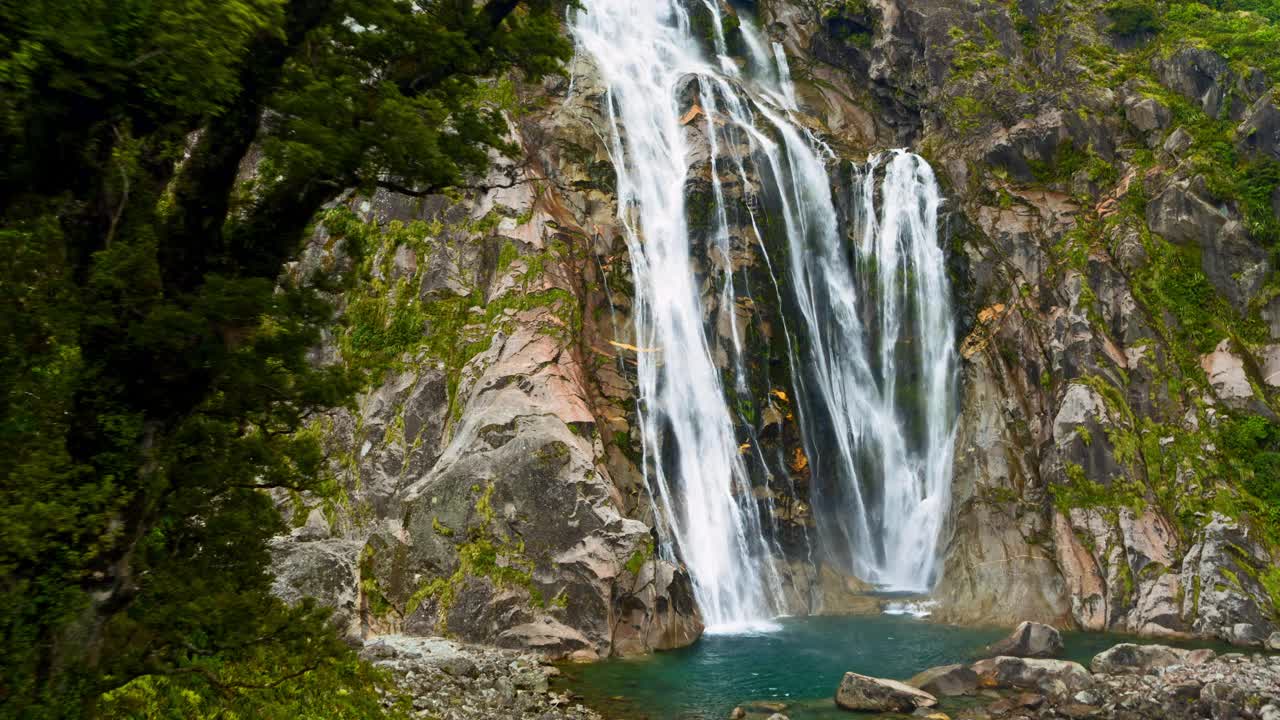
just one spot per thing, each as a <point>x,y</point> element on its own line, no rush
<point>1200,75</point>
<point>460,666</point>
<point>1259,132</point>
<point>1273,642</point>
<point>1051,677</point>
<point>946,680</point>
<point>1030,701</point>
<point>869,694</point>
<point>1146,114</point>
<point>1220,571</point>
<point>1184,214</point>
<point>1132,659</point>
<point>1178,142</point>
<point>1077,711</point>
<point>1246,634</point>
<point>326,571</point>
<point>654,608</point>
<point>1228,377</point>
<point>1029,640</point>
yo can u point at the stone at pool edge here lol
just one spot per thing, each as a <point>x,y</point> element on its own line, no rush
<point>868,694</point>
<point>1133,659</point>
<point>1051,677</point>
<point>1029,640</point>
<point>946,680</point>
<point>740,714</point>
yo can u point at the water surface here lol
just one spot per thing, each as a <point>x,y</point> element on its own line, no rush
<point>800,664</point>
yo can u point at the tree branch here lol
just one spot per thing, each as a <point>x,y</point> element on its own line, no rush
<point>227,687</point>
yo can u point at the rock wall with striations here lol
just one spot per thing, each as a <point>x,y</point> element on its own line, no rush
<point>1114,200</point>
<point>486,486</point>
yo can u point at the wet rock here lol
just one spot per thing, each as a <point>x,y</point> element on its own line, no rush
<point>1145,659</point>
<point>989,545</point>
<point>1088,587</point>
<point>1029,640</point>
<point>947,680</point>
<point>1077,711</point>
<point>1151,551</point>
<point>864,693</point>
<point>1086,697</point>
<point>1052,677</point>
<point>655,608</point>
<point>1083,414</point>
<point>1035,140</point>
<point>1030,701</point>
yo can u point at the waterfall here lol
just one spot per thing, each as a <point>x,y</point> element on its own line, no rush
<point>880,373</point>
<point>871,307</point>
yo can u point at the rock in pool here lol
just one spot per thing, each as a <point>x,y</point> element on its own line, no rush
<point>946,680</point>
<point>1128,658</point>
<point>1029,640</point>
<point>860,692</point>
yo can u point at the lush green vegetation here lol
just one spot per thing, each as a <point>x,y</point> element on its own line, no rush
<point>154,380</point>
<point>1253,445</point>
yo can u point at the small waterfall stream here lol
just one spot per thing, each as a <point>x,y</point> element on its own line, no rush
<point>881,372</point>
<point>873,352</point>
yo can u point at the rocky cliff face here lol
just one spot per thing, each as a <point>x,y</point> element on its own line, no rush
<point>487,484</point>
<point>1114,214</point>
<point>1112,206</point>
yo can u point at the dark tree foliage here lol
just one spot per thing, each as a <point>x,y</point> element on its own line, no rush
<point>153,376</point>
<point>1132,17</point>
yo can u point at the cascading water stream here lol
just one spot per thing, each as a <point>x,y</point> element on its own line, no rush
<point>643,49</point>
<point>881,368</point>
<point>867,314</point>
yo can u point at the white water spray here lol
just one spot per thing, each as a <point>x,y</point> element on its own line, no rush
<point>885,524</point>
<point>882,369</point>
<point>644,49</point>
